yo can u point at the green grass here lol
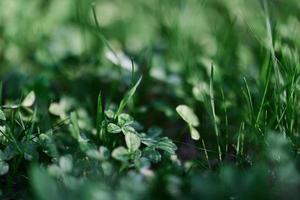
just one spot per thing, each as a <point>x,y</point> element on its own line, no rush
<point>157,99</point>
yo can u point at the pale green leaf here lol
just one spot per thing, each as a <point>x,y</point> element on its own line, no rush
<point>66,163</point>
<point>29,100</point>
<point>166,145</point>
<point>153,155</point>
<point>133,141</point>
<point>113,128</point>
<point>194,133</point>
<point>187,115</point>
<point>57,109</point>
<point>124,119</point>
<point>120,153</point>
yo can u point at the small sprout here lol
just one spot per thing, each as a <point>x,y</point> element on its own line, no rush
<point>113,128</point>
<point>29,100</point>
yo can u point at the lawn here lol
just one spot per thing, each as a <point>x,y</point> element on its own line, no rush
<point>149,99</point>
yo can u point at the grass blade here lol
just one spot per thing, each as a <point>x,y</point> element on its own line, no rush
<point>127,97</point>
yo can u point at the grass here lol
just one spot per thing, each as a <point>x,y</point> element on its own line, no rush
<point>215,115</point>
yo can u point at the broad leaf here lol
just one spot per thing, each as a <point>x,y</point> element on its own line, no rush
<point>29,100</point>
<point>57,109</point>
<point>113,128</point>
<point>187,115</point>
<point>120,153</point>
<point>133,141</point>
<point>124,119</point>
<point>166,145</point>
<point>153,155</point>
<point>194,133</point>
<point>128,129</point>
<point>109,114</point>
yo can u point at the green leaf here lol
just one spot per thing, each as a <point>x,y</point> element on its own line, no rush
<point>120,153</point>
<point>188,115</point>
<point>100,113</point>
<point>133,141</point>
<point>166,145</point>
<point>101,154</point>
<point>113,128</point>
<point>66,163</point>
<point>4,167</point>
<point>29,100</point>
<point>194,133</point>
<point>127,97</point>
<point>74,127</point>
<point>93,153</point>
<point>128,129</point>
<point>124,119</point>
<point>57,109</point>
<point>2,115</point>
<point>109,114</point>
<point>153,155</point>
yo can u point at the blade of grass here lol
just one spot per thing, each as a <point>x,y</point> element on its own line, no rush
<point>102,37</point>
<point>100,114</point>
<point>127,97</point>
<point>214,117</point>
<point>248,97</point>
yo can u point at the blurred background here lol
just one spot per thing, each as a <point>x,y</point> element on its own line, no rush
<point>56,49</point>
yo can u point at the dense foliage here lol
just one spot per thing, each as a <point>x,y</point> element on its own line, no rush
<point>153,99</point>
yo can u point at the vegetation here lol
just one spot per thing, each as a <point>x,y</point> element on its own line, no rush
<point>156,99</point>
